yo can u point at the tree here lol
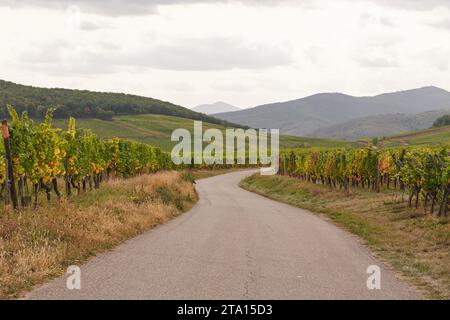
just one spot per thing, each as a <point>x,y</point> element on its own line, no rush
<point>442,121</point>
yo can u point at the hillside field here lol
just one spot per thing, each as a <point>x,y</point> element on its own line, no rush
<point>156,130</point>
<point>434,136</point>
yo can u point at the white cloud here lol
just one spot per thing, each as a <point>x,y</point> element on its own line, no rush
<point>377,62</point>
<point>197,54</point>
<point>241,52</point>
<point>441,23</point>
<point>143,7</point>
<point>414,4</point>
<point>204,54</point>
<point>125,7</point>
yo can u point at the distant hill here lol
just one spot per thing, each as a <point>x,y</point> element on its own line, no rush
<point>380,125</point>
<point>87,104</point>
<point>307,116</point>
<point>217,107</point>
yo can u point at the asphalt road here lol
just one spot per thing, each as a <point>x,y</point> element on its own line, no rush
<point>234,245</point>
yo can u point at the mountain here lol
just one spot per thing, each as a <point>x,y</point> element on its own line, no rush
<point>380,125</point>
<point>88,104</point>
<point>310,114</point>
<point>218,107</point>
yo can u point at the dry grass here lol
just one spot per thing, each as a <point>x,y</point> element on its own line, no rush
<point>416,245</point>
<point>36,245</point>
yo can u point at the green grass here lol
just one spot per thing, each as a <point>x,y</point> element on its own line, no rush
<point>291,142</point>
<point>151,129</point>
<point>434,136</point>
<point>416,245</point>
<point>156,130</point>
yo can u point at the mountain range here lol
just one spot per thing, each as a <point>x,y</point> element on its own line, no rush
<point>323,115</point>
<point>217,107</point>
<point>328,114</point>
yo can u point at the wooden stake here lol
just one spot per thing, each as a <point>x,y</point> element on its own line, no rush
<point>9,168</point>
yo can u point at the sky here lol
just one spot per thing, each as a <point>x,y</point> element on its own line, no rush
<point>246,53</point>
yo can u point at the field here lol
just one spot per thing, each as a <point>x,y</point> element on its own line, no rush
<point>434,136</point>
<point>156,130</point>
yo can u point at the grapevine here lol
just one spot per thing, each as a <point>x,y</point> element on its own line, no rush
<point>41,155</point>
<point>424,172</point>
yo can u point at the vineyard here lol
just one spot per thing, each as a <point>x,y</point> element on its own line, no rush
<point>35,157</point>
<point>38,157</point>
<point>422,172</point>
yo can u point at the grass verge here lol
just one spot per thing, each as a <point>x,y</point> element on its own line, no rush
<point>414,244</point>
<point>36,245</point>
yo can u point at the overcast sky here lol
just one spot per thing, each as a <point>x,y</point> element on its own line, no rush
<point>245,52</point>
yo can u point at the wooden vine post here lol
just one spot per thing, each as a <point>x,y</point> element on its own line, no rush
<point>67,177</point>
<point>10,185</point>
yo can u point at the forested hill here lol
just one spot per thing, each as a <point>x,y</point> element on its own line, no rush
<point>87,104</point>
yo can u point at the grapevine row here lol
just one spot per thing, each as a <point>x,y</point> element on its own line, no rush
<point>41,155</point>
<point>423,172</point>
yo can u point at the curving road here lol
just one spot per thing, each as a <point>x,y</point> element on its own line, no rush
<point>234,245</point>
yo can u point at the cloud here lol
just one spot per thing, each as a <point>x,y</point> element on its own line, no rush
<point>47,53</point>
<point>414,4</point>
<point>441,24</point>
<point>91,25</point>
<point>179,86</point>
<point>436,57</point>
<point>233,86</point>
<point>377,62</point>
<point>376,57</point>
<point>113,7</point>
<point>251,53</point>
<point>205,54</point>
<point>143,7</point>
<point>125,7</point>
<point>196,54</point>
<point>62,57</point>
<point>370,19</point>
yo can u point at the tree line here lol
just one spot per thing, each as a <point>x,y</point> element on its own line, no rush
<point>442,121</point>
<point>87,104</point>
